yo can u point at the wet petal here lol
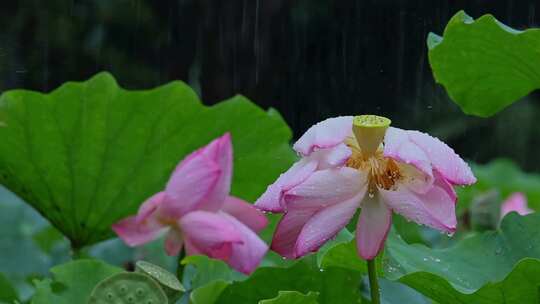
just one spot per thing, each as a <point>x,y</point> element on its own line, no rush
<point>327,187</point>
<point>441,156</point>
<point>325,134</point>
<point>211,233</point>
<point>444,184</point>
<point>331,157</point>
<point>272,199</point>
<point>325,224</point>
<point>288,230</point>
<point>435,208</point>
<point>398,147</point>
<point>414,178</point>
<point>247,255</point>
<point>143,227</point>
<point>516,202</point>
<point>372,227</point>
<point>245,213</point>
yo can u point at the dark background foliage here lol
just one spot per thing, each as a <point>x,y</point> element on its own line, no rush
<point>310,59</point>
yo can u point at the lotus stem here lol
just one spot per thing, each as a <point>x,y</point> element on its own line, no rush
<point>373,282</point>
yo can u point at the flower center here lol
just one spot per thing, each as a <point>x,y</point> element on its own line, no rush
<point>367,154</point>
<point>382,172</point>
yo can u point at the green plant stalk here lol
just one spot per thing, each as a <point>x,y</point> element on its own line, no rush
<point>373,282</point>
<point>77,254</point>
<point>179,266</point>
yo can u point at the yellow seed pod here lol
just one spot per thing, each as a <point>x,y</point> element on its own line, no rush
<point>369,131</point>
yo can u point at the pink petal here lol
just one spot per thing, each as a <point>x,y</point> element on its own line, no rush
<point>325,224</point>
<point>147,209</point>
<point>322,189</point>
<point>173,242</point>
<point>191,249</point>
<point>272,199</point>
<point>143,227</point>
<point>435,208</point>
<point>134,234</point>
<point>288,230</point>
<point>441,156</point>
<point>220,150</point>
<point>444,184</point>
<point>247,255</point>
<point>372,227</point>
<point>516,202</point>
<point>415,179</point>
<point>398,146</point>
<point>325,134</point>
<point>245,213</point>
<point>326,187</point>
<point>211,233</point>
<point>191,183</point>
<point>331,157</point>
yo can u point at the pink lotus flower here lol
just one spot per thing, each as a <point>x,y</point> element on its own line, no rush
<point>516,202</point>
<point>196,211</point>
<point>345,166</point>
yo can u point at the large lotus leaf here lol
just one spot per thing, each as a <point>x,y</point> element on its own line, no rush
<point>73,282</point>
<point>217,285</point>
<point>206,278</point>
<point>483,64</point>
<point>492,267</point>
<point>88,153</point>
<point>334,285</point>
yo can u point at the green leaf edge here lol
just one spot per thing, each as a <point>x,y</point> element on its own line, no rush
<point>521,266</point>
<point>461,17</point>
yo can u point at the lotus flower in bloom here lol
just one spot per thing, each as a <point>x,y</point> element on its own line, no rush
<point>196,211</point>
<point>360,162</point>
<point>516,202</point>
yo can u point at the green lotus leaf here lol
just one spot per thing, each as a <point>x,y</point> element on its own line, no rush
<point>89,153</point>
<point>501,266</point>
<point>483,64</point>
